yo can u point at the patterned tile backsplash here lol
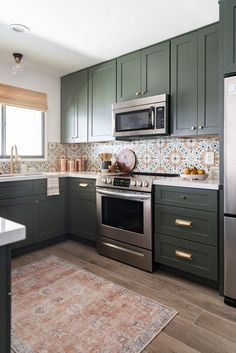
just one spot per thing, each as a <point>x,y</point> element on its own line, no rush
<point>165,155</point>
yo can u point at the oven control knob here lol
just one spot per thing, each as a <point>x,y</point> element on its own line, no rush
<point>139,183</point>
<point>133,183</point>
<point>104,180</point>
<point>145,184</point>
<point>109,181</point>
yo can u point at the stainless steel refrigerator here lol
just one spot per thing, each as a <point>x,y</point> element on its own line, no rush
<point>230,190</point>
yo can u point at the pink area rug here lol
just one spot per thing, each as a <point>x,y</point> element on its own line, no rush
<point>57,307</point>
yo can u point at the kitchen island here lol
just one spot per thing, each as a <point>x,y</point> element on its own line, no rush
<point>10,232</point>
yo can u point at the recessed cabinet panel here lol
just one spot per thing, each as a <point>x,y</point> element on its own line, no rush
<point>102,93</point>
<point>229,29</point>
<point>195,83</point>
<point>184,84</point>
<point>68,109</point>
<point>156,69</point>
<point>128,76</point>
<point>74,110</point>
<point>208,80</point>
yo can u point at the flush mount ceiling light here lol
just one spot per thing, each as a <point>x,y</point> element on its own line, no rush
<point>19,28</point>
<point>17,69</point>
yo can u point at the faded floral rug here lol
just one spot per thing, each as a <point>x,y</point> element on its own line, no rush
<point>57,307</point>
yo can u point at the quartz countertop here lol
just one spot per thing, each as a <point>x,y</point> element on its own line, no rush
<point>11,232</point>
<point>45,175</point>
<point>178,181</point>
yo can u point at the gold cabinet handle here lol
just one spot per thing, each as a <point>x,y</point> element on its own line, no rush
<point>143,92</point>
<point>184,255</point>
<point>183,223</point>
<point>137,93</point>
<point>83,185</point>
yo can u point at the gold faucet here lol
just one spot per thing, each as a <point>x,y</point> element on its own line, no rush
<point>12,161</point>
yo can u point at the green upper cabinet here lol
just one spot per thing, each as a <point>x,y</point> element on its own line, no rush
<point>128,76</point>
<point>143,73</point>
<point>102,93</point>
<point>229,29</point>
<point>74,101</point>
<point>195,82</point>
<point>155,69</point>
<point>208,80</point>
<point>184,84</point>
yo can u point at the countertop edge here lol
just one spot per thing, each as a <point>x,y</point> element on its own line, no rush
<point>11,232</point>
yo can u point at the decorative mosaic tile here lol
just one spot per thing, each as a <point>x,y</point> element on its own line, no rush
<point>160,155</point>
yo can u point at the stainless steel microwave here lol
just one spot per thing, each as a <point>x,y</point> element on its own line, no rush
<point>141,117</point>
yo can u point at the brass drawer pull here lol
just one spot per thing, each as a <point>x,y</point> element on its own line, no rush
<point>83,185</point>
<point>183,223</point>
<point>183,255</point>
<point>183,197</point>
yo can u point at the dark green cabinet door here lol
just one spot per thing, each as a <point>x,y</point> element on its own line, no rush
<point>208,80</point>
<point>74,109</point>
<point>229,29</point>
<point>184,74</point>
<point>19,210</point>
<point>68,108</point>
<point>102,93</point>
<point>5,299</point>
<point>81,118</point>
<point>49,216</point>
<point>83,217</point>
<point>129,76</point>
<point>156,70</point>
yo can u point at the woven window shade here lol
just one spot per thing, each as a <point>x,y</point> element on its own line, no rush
<point>23,98</point>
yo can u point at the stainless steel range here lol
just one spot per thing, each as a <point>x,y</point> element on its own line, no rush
<point>124,218</point>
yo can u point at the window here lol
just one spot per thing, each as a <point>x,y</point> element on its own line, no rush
<point>24,128</point>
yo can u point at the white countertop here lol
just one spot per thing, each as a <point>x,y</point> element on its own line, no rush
<point>198,184</point>
<point>11,232</point>
<point>176,181</point>
<point>44,175</point>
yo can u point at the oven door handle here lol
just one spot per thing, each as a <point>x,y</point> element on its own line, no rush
<point>124,195</point>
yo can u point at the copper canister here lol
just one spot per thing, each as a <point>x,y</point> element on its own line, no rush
<point>63,164</point>
<point>79,164</point>
<point>71,165</point>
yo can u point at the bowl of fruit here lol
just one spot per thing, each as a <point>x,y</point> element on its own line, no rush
<point>193,173</point>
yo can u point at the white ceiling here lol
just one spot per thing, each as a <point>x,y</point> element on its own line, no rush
<point>67,35</point>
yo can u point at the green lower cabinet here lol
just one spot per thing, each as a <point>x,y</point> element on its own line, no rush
<point>49,217</point>
<point>19,209</point>
<point>83,217</point>
<point>82,208</point>
<point>5,299</point>
<point>188,256</point>
<point>189,224</point>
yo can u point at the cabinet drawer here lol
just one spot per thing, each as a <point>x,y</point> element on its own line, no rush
<point>83,187</point>
<point>195,225</point>
<point>40,186</point>
<point>187,256</point>
<point>200,199</point>
<point>13,189</point>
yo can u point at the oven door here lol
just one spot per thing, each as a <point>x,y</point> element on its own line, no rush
<point>125,216</point>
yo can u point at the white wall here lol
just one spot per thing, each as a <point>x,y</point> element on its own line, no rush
<point>41,82</point>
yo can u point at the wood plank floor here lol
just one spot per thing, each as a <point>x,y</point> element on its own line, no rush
<point>204,324</point>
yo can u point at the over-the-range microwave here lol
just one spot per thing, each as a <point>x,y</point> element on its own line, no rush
<point>141,117</point>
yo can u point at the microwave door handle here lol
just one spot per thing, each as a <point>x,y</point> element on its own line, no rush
<point>152,113</point>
